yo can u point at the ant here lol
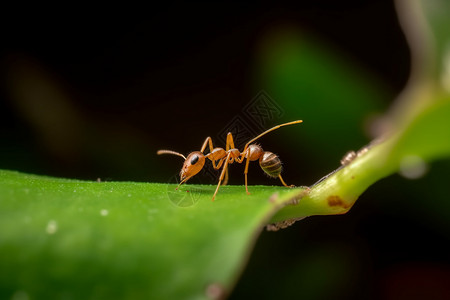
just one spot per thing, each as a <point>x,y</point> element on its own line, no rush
<point>194,162</point>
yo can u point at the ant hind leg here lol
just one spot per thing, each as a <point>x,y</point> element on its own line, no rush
<point>284,183</point>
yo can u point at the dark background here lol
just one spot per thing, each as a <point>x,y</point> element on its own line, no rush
<point>94,92</point>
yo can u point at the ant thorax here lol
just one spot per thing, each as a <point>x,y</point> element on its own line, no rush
<point>254,152</point>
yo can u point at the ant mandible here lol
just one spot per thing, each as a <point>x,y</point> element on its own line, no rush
<point>194,162</point>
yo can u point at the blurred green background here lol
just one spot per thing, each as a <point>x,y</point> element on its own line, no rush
<point>95,94</point>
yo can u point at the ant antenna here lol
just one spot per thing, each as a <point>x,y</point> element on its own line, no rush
<point>271,129</point>
<point>170,152</point>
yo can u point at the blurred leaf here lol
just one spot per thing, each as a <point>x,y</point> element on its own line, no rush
<point>428,135</point>
<point>313,81</point>
<point>437,18</point>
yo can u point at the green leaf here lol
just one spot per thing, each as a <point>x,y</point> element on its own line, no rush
<point>118,240</point>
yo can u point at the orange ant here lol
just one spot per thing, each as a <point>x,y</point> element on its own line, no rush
<point>194,162</point>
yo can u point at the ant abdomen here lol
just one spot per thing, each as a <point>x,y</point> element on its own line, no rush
<point>271,164</point>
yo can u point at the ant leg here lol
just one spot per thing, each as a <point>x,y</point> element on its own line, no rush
<point>222,175</point>
<point>225,181</point>
<point>229,145</point>
<point>245,174</point>
<point>207,141</point>
<point>230,142</point>
<point>243,155</point>
<point>284,183</point>
<point>219,164</point>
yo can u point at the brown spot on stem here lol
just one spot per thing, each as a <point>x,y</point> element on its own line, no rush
<point>335,200</point>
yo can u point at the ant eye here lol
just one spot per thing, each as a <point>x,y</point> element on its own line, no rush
<point>194,160</point>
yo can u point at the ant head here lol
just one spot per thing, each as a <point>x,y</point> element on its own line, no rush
<point>192,165</point>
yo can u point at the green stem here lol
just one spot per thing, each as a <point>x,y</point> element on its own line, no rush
<point>426,137</point>
<point>337,193</point>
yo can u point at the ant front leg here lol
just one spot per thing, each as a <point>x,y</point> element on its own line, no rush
<point>225,166</point>
<point>208,141</point>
